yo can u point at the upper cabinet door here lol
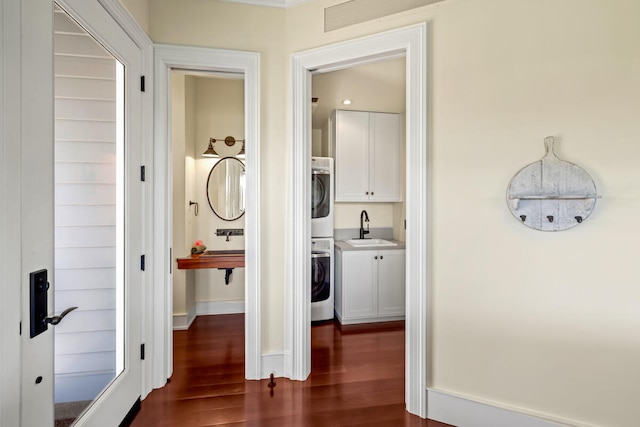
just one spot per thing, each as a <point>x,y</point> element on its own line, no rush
<point>351,156</point>
<point>368,156</point>
<point>385,156</point>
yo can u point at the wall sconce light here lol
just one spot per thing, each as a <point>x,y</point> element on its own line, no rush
<point>229,142</point>
<point>241,153</point>
<point>210,152</point>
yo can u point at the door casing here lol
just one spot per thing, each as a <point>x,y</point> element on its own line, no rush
<point>410,42</point>
<point>169,57</point>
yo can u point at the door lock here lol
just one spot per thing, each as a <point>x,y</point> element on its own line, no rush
<point>38,292</point>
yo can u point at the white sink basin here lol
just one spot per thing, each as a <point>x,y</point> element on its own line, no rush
<point>360,243</point>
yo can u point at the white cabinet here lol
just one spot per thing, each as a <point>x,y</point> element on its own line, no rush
<point>369,285</point>
<point>367,148</point>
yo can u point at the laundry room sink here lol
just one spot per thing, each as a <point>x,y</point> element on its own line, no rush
<point>361,243</point>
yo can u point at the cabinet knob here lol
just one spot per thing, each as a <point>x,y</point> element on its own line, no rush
<point>372,193</point>
<point>367,193</point>
<point>381,257</point>
<point>375,257</point>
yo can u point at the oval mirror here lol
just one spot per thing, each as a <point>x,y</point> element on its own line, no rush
<point>225,188</point>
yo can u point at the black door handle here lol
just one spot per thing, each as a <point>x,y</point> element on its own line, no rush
<point>38,290</point>
<point>57,319</point>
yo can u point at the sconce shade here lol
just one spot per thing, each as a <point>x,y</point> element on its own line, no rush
<point>210,152</point>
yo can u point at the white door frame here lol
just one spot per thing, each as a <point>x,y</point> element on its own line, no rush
<point>412,42</point>
<point>140,38</point>
<point>11,280</point>
<point>133,30</point>
<point>169,57</point>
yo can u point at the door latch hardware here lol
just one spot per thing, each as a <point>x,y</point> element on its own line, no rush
<point>57,319</point>
<point>38,304</point>
<point>38,287</point>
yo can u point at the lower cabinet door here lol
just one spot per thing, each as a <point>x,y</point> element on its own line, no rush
<point>391,282</point>
<point>360,284</point>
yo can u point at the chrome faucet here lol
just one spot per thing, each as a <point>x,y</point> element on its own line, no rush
<point>364,217</point>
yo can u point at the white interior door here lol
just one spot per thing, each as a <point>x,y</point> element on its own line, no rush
<point>33,171</point>
<point>36,173</point>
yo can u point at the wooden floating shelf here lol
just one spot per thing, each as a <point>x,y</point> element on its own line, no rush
<point>213,259</point>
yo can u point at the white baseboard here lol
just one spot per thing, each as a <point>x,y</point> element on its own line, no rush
<point>204,308</point>
<point>182,322</point>
<point>463,412</point>
<point>272,363</point>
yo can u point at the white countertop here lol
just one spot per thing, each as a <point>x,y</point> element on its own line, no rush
<point>344,246</point>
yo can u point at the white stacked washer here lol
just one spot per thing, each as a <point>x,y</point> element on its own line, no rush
<point>322,238</point>
<point>321,278</point>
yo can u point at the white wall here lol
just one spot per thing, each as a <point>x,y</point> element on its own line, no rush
<point>219,110</point>
<point>85,213</point>
<point>543,322</point>
<point>139,9</point>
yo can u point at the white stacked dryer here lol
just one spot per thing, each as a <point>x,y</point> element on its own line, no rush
<point>322,238</point>
<point>322,197</point>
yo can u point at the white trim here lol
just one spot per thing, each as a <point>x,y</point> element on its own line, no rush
<point>413,42</point>
<point>10,217</point>
<point>35,199</point>
<point>140,38</point>
<point>273,363</point>
<point>375,319</point>
<point>206,308</point>
<point>204,59</point>
<point>464,412</point>
<point>182,322</point>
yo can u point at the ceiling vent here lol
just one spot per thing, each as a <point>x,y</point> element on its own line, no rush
<point>356,11</point>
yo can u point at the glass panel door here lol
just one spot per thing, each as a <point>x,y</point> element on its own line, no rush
<point>89,217</point>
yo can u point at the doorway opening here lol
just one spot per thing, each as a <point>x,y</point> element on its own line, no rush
<point>412,43</point>
<point>357,95</point>
<point>208,71</point>
<point>207,190</point>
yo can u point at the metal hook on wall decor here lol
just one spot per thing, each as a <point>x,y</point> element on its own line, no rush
<point>195,210</point>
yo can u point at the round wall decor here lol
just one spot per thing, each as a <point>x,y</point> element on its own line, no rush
<point>551,194</point>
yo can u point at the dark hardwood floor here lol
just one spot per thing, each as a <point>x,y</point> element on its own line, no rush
<point>357,380</point>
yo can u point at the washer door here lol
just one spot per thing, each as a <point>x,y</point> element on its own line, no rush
<point>320,276</point>
<point>320,194</point>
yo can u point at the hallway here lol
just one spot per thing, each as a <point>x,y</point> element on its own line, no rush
<point>357,380</point>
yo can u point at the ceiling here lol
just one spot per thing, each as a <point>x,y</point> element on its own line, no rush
<point>270,3</point>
